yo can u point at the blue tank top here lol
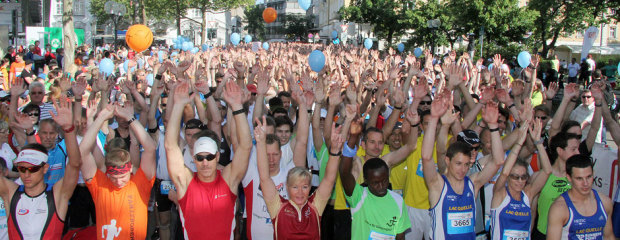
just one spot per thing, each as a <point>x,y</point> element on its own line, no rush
<point>454,215</point>
<point>581,227</point>
<point>511,219</point>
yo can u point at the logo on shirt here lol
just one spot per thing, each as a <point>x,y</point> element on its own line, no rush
<point>221,196</point>
<point>23,211</point>
<point>392,222</point>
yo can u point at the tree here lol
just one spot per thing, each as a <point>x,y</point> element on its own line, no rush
<point>386,16</point>
<point>156,9</point>
<point>68,36</point>
<point>447,33</point>
<point>214,6</point>
<point>562,18</point>
<point>254,21</point>
<point>503,20</point>
<point>297,26</point>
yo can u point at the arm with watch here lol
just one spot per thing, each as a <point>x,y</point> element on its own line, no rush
<point>348,154</point>
<point>147,159</point>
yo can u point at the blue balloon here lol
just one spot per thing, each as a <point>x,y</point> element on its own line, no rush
<point>247,39</point>
<point>417,52</point>
<point>316,60</point>
<point>368,43</point>
<point>106,66</point>
<point>524,59</point>
<point>235,38</point>
<point>401,47</point>
<point>186,46</point>
<point>266,46</point>
<point>304,4</point>
<point>205,47</point>
<point>336,41</point>
<point>174,54</point>
<point>149,79</point>
<point>619,68</point>
<point>180,38</point>
<point>195,50</point>
<point>490,67</point>
<point>335,34</point>
<point>160,56</point>
<point>126,67</point>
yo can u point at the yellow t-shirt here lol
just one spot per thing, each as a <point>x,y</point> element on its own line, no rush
<point>341,202</point>
<point>537,98</point>
<point>415,192</point>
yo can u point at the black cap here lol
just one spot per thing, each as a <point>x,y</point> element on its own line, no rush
<point>468,136</point>
<point>27,61</point>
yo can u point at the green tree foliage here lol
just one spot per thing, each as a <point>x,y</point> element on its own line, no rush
<point>387,17</point>
<point>296,26</point>
<point>446,34</point>
<point>254,21</point>
<point>154,9</point>
<point>562,18</point>
<point>214,6</point>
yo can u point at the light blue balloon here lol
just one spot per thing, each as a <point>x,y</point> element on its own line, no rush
<point>195,50</point>
<point>417,52</point>
<point>174,54</point>
<point>126,67</point>
<point>336,41</point>
<point>335,34</point>
<point>149,79</point>
<point>247,39</point>
<point>524,59</point>
<point>235,38</point>
<point>316,60</point>
<point>140,62</point>
<point>490,66</point>
<point>401,47</point>
<point>106,66</point>
<point>304,4</point>
<point>266,46</point>
<point>619,68</point>
<point>186,46</point>
<point>180,39</point>
<point>368,43</point>
<point>160,56</point>
<point>205,47</point>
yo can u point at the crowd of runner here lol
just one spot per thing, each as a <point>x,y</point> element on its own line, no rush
<point>234,143</point>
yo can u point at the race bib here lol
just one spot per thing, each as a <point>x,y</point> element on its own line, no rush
<point>420,170</point>
<point>380,236</point>
<point>165,187</point>
<point>461,222</point>
<point>516,235</point>
<point>2,210</point>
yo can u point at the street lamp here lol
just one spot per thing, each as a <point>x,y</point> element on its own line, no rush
<point>433,25</point>
<point>116,10</point>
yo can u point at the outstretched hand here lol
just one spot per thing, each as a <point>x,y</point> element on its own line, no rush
<point>65,112</point>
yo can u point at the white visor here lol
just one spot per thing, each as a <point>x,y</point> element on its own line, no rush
<point>205,144</point>
<point>31,156</point>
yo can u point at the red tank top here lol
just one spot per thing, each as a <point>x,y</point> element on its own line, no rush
<point>25,216</point>
<point>208,209</point>
<point>293,224</point>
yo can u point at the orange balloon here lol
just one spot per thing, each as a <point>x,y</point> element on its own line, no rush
<point>139,37</point>
<point>270,15</point>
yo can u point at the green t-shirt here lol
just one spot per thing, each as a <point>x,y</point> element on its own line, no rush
<point>554,187</point>
<point>377,217</point>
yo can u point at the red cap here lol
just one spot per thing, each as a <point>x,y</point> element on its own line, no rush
<point>251,87</point>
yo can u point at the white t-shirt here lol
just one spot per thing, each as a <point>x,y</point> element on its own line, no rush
<point>573,69</point>
<point>260,221</point>
<point>7,153</point>
<point>591,65</point>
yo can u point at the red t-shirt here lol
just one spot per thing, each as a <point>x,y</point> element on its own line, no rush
<point>291,223</point>
<point>208,209</point>
<point>121,212</point>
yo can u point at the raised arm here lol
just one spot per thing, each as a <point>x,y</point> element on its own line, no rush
<point>490,116</point>
<point>499,189</point>
<point>334,101</point>
<point>147,158</point>
<point>431,176</point>
<point>324,190</point>
<point>397,102</point>
<point>305,100</point>
<point>597,93</point>
<point>570,91</point>
<point>179,173</point>
<point>89,166</point>
<point>66,186</point>
<point>396,157</point>
<point>233,173</point>
<point>540,178</point>
<point>270,193</point>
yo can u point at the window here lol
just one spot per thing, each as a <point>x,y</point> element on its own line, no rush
<point>612,33</point>
<point>78,7</point>
<point>59,7</point>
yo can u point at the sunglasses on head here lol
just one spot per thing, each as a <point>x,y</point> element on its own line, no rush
<point>201,158</point>
<point>32,169</point>
<point>426,102</point>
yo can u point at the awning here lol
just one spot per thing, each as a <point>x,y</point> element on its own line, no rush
<point>602,50</point>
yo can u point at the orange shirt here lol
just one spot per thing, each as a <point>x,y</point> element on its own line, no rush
<point>17,68</point>
<point>121,213</point>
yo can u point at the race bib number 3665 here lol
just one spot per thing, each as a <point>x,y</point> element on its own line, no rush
<point>459,223</point>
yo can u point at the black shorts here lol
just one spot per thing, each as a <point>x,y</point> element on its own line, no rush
<point>163,203</point>
<point>81,211</point>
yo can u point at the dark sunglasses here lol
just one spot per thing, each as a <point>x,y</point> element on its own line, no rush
<point>201,158</point>
<point>32,169</point>
<point>542,117</point>
<point>586,96</point>
<point>521,177</point>
<point>426,102</point>
<point>35,114</point>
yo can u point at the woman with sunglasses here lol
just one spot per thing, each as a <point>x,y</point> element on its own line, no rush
<point>42,216</point>
<point>511,215</point>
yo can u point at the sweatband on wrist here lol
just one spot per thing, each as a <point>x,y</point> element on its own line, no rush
<point>347,151</point>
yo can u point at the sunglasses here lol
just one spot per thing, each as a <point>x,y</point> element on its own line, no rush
<point>33,114</point>
<point>32,169</point>
<point>519,177</point>
<point>426,102</point>
<point>542,117</point>
<point>201,158</point>
<point>586,96</point>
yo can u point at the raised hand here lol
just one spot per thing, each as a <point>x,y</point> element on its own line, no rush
<point>319,92</point>
<point>518,87</point>
<point>262,83</point>
<point>351,111</point>
<point>356,126</point>
<point>233,94</point>
<point>488,94</point>
<point>412,116</point>
<point>351,94</point>
<point>399,99</point>
<point>22,121</point>
<point>337,138</point>
<point>259,130</point>
<point>18,87</point>
<point>420,90</point>
<point>334,96</point>
<point>490,113</point>
<point>503,96</point>
<point>108,111</point>
<point>449,117</point>
<point>202,87</point>
<point>65,113</point>
<point>536,130</point>
<point>439,106</point>
<point>128,86</point>
<point>523,130</point>
<point>526,112</point>
<point>571,91</point>
<point>124,111</point>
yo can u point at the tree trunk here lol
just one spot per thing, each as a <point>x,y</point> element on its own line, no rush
<point>203,28</point>
<point>143,11</point>
<point>178,19</point>
<point>68,36</point>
